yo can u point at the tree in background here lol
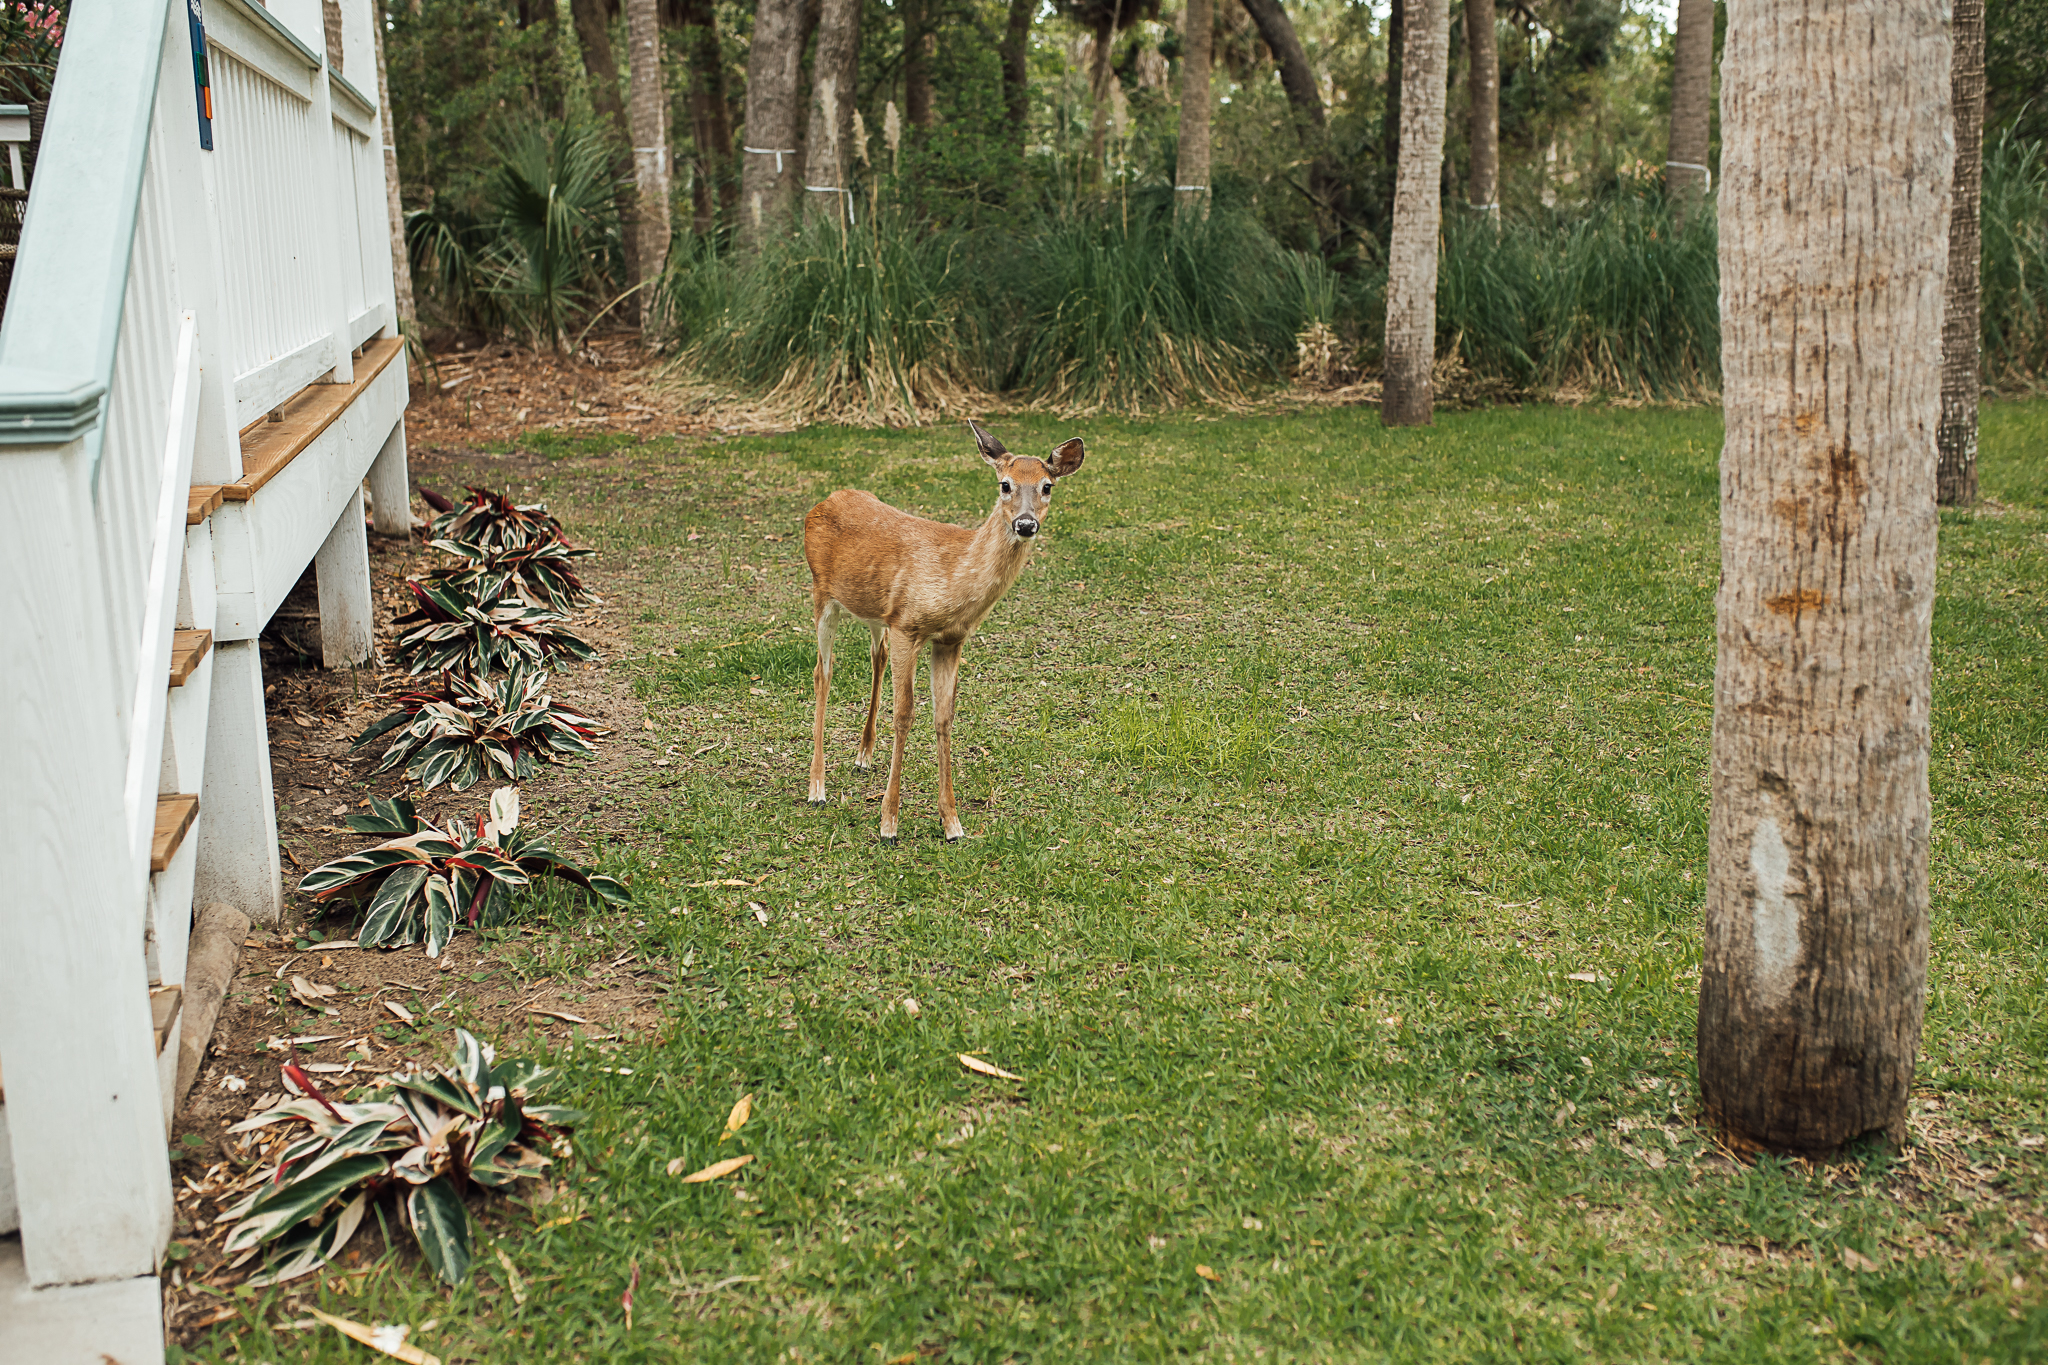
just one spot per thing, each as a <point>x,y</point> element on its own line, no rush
<point>1482,185</point>
<point>771,175</point>
<point>1298,79</point>
<point>1405,397</point>
<point>592,20</point>
<point>648,120</point>
<point>712,189</point>
<point>401,258</point>
<point>835,68</point>
<point>1191,161</point>
<point>1835,182</point>
<point>1692,94</point>
<point>1016,55</point>
<point>1962,331</point>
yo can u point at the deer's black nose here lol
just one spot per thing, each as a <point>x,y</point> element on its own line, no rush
<point>1026,526</point>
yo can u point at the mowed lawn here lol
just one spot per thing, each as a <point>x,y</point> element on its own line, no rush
<point>1337,806</point>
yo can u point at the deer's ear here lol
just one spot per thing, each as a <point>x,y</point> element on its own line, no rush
<point>991,449</point>
<point>1066,458</point>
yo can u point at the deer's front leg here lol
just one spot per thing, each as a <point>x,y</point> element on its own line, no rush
<point>822,677</point>
<point>903,670</point>
<point>945,687</point>
<point>878,659</point>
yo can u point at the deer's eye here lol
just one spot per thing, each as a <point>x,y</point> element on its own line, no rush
<point>1006,486</point>
<point>1046,489</point>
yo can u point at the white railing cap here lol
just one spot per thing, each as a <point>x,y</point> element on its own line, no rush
<point>38,407</point>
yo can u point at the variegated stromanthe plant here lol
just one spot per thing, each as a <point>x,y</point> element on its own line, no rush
<point>459,631</point>
<point>494,522</point>
<point>427,881</point>
<point>474,728</point>
<point>423,1137</point>
<point>542,572</point>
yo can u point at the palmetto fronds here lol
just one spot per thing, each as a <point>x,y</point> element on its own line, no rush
<point>423,1136</point>
<point>473,728</point>
<point>478,634</point>
<point>427,881</point>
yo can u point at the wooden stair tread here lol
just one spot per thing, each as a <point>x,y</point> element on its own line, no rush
<point>267,446</point>
<point>201,502</point>
<point>163,1011</point>
<point>188,647</point>
<point>174,817</point>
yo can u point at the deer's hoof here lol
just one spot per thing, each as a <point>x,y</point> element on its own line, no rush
<point>863,765</point>
<point>820,801</point>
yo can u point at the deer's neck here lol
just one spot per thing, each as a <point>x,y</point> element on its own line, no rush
<point>994,559</point>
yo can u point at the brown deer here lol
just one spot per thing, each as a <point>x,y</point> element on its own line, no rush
<point>913,581</point>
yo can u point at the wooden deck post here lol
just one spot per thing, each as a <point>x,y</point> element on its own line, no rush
<point>390,486</point>
<point>343,568</point>
<point>238,838</point>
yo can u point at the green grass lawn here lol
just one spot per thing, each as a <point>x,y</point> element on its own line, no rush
<point>1307,775</point>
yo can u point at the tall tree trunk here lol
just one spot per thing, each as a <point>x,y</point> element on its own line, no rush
<point>1191,164</point>
<point>401,259</point>
<point>649,119</point>
<point>594,37</point>
<point>712,190</point>
<point>1390,117</point>
<point>1962,335</point>
<point>1692,100</point>
<point>1325,186</point>
<point>771,176</point>
<point>1099,77</point>
<point>1835,184</point>
<point>835,69</point>
<point>1016,51</point>
<point>1405,397</point>
<point>1483,88</point>
<point>917,67</point>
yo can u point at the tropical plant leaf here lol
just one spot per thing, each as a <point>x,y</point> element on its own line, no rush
<point>442,1226</point>
<point>396,906</point>
<point>289,1204</point>
<point>305,1251</point>
<point>440,914</point>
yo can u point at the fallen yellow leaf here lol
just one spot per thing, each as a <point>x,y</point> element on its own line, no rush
<point>1208,1274</point>
<point>741,1112</point>
<point>713,1171</point>
<point>975,1064</point>
<point>389,1340</point>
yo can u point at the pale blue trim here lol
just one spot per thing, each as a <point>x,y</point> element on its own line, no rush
<point>362,100</point>
<point>13,111</point>
<point>263,18</point>
<point>71,274</point>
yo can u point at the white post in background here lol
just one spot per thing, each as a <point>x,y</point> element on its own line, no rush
<point>390,487</point>
<point>90,1167</point>
<point>238,860</point>
<point>342,567</point>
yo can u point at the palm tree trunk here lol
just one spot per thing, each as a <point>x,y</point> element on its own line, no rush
<point>594,37</point>
<point>1962,335</point>
<point>1298,79</point>
<point>1099,77</point>
<point>712,190</point>
<point>1405,397</point>
<point>1692,98</point>
<point>1191,164</point>
<point>1016,50</point>
<point>835,68</point>
<point>1482,190</point>
<point>401,261</point>
<point>648,115</point>
<point>917,68</point>
<point>771,176</point>
<point>1835,188</point>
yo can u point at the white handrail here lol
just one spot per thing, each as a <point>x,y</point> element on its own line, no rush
<point>160,600</point>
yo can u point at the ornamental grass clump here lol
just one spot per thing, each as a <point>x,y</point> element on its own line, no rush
<point>541,572</point>
<point>426,881</point>
<point>473,633</point>
<point>422,1137</point>
<point>472,728</point>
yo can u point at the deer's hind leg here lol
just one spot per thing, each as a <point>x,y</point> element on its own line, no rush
<point>903,671</point>
<point>821,676</point>
<point>878,659</point>
<point>945,689</point>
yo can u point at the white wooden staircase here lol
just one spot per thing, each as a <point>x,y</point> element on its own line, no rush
<point>196,377</point>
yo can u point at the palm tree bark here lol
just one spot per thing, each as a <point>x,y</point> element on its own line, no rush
<point>1835,186</point>
<point>594,37</point>
<point>648,116</point>
<point>1326,188</point>
<point>1405,397</point>
<point>1016,50</point>
<point>712,191</point>
<point>771,176</point>
<point>1191,164</point>
<point>1692,99</point>
<point>1099,77</point>
<point>917,68</point>
<point>1482,189</point>
<point>835,67</point>
<point>1955,477</point>
<point>401,260</point>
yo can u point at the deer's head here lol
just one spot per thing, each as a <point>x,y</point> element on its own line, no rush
<point>1024,484</point>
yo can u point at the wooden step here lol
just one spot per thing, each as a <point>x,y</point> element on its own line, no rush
<point>268,446</point>
<point>163,1012</point>
<point>201,502</point>
<point>174,817</point>
<point>188,647</point>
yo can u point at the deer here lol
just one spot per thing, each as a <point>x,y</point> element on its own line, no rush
<point>914,582</point>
